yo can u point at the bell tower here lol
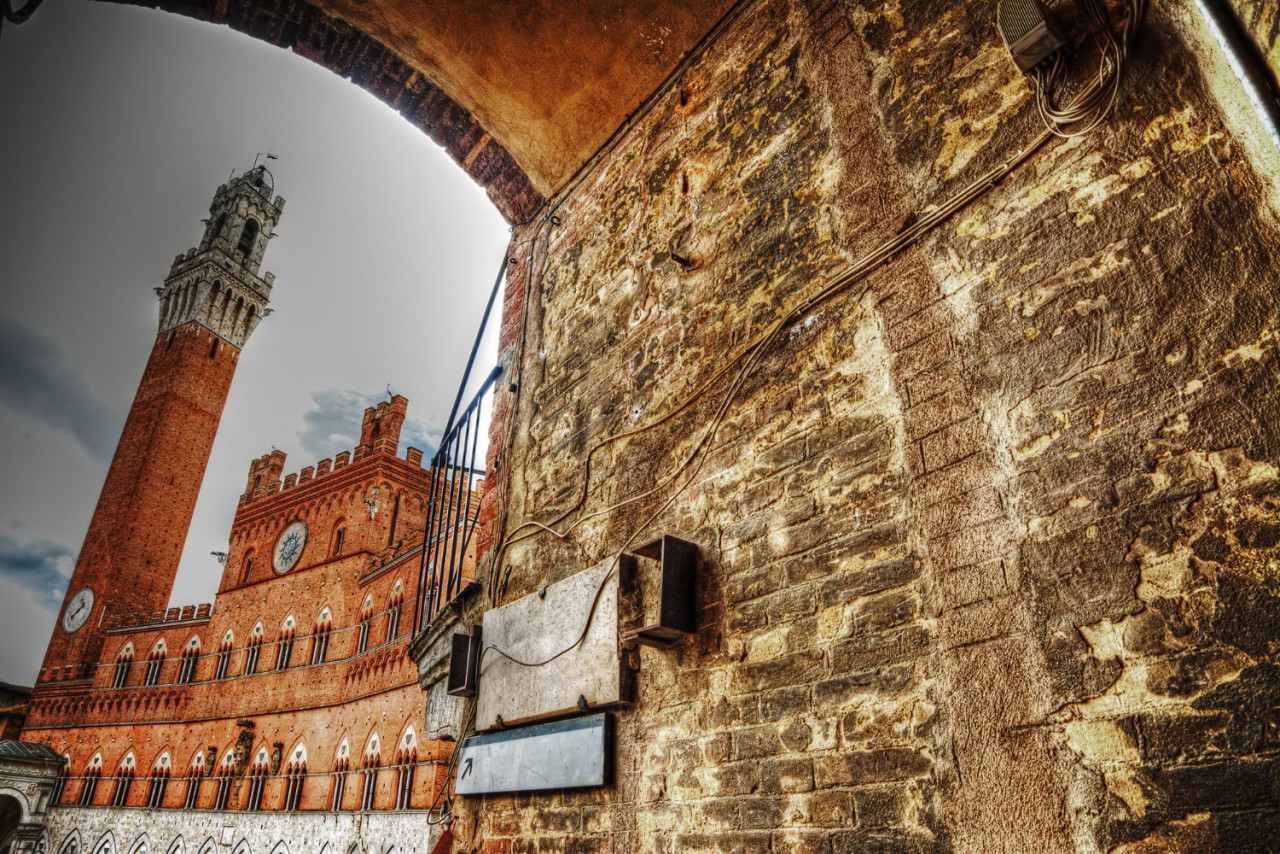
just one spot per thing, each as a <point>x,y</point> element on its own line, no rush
<point>210,303</point>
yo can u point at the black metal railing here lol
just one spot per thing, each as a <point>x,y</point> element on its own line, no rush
<point>453,509</point>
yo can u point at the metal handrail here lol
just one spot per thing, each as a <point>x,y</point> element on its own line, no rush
<point>450,522</point>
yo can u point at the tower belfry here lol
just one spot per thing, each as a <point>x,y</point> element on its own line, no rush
<point>210,303</point>
<point>217,284</point>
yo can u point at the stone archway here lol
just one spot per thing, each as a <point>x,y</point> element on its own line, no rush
<point>521,95</point>
<point>10,818</point>
<point>310,32</point>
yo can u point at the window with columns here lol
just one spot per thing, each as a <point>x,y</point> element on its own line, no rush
<point>124,663</point>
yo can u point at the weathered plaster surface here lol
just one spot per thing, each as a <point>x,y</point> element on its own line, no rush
<point>990,539</point>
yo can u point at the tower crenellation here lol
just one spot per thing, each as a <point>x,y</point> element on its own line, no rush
<point>380,436</point>
<point>218,284</point>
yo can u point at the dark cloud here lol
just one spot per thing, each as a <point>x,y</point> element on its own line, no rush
<point>35,379</point>
<point>334,424</point>
<point>42,567</point>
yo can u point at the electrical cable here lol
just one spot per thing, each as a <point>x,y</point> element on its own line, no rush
<point>1092,104</point>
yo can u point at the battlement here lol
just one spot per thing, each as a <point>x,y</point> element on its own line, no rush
<point>259,181</point>
<point>381,425</point>
<point>159,617</point>
<point>379,436</point>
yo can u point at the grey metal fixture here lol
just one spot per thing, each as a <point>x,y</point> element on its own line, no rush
<point>1029,32</point>
<point>677,612</point>
<point>464,663</point>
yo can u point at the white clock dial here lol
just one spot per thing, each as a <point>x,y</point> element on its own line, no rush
<point>78,611</point>
<point>289,546</point>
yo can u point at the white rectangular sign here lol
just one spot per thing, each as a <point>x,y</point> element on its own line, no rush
<point>561,755</point>
<point>559,651</point>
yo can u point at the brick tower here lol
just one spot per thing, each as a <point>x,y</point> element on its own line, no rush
<point>211,301</point>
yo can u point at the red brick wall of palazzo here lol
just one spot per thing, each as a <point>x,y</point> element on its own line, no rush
<point>139,526</point>
<point>361,700</point>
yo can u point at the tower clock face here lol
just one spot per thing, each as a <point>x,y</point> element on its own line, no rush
<point>78,610</point>
<point>289,546</point>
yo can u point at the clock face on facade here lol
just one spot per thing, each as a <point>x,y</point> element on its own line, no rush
<point>289,546</point>
<point>78,610</point>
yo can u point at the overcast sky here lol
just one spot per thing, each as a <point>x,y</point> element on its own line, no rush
<point>119,124</point>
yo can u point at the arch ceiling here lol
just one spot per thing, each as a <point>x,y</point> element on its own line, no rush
<point>520,93</point>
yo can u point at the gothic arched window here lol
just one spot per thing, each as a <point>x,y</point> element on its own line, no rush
<point>394,605</point>
<point>248,237</point>
<point>60,783</point>
<point>320,637</point>
<point>252,651</point>
<point>124,781</point>
<point>339,537</point>
<point>92,775</point>
<point>226,775</point>
<point>224,656</point>
<point>190,657</point>
<point>284,647</point>
<point>159,782</point>
<point>406,764</point>
<point>155,661</point>
<point>195,777</point>
<point>340,768</point>
<point>257,780</point>
<point>372,762</point>
<point>124,662</point>
<point>366,622</point>
<point>297,775</point>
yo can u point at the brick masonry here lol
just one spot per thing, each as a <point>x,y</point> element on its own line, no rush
<point>987,538</point>
<point>296,677</point>
<point>990,539</point>
<point>354,697</point>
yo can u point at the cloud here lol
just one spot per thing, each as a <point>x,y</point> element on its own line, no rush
<point>334,424</point>
<point>26,627</point>
<point>35,379</point>
<point>42,567</point>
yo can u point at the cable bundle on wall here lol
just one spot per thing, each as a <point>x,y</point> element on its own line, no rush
<point>1088,107</point>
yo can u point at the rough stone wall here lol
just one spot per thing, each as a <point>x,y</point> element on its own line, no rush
<point>990,539</point>
<point>206,832</point>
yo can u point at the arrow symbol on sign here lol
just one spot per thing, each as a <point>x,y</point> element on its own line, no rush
<point>466,768</point>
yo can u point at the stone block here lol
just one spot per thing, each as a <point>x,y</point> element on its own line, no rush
<point>970,584</point>
<point>926,354</point>
<point>786,776</point>
<point>953,443</point>
<point>984,620</point>
<point>872,651</point>
<point>863,767</point>
<point>940,380</point>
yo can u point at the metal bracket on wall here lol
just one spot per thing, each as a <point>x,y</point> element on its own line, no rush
<point>677,564</point>
<point>464,662</point>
